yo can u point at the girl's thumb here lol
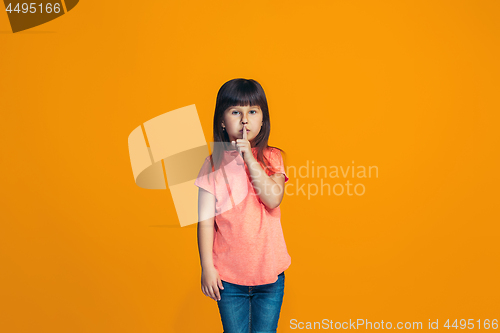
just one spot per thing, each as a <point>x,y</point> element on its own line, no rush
<point>220,284</point>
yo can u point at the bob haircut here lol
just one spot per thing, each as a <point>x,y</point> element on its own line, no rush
<point>240,92</point>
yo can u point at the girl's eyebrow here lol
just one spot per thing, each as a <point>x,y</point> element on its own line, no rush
<point>251,107</point>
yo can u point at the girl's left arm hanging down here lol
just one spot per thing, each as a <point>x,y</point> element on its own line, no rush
<point>270,189</point>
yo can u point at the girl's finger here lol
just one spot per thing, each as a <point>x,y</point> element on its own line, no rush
<point>211,292</point>
<point>245,132</point>
<point>214,293</point>
<point>217,293</point>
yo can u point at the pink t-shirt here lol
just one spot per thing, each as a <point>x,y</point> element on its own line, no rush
<point>249,247</point>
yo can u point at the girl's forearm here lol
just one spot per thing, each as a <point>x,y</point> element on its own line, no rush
<point>206,242</point>
<point>269,192</point>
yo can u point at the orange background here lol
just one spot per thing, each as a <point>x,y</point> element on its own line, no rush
<point>410,87</point>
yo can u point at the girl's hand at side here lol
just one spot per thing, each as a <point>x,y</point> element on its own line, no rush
<point>210,283</point>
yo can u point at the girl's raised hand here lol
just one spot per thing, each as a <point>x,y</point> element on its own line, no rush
<point>210,283</point>
<point>243,146</point>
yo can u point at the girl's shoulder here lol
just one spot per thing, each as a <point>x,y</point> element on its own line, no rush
<point>273,156</point>
<point>272,151</point>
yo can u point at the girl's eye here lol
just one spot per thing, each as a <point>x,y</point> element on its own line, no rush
<point>255,111</point>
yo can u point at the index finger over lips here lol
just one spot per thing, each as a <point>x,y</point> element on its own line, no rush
<point>245,132</point>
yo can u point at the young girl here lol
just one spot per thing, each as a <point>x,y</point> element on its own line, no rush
<point>242,249</point>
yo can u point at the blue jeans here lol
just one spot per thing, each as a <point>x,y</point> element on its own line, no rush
<point>254,309</point>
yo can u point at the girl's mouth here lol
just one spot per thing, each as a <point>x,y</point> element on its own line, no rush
<point>242,130</point>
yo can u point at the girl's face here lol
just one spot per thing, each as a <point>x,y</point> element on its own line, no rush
<point>236,116</point>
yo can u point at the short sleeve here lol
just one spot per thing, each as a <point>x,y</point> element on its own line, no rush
<point>205,179</point>
<point>277,165</point>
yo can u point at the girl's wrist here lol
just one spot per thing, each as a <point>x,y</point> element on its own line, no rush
<point>249,158</point>
<point>207,267</point>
